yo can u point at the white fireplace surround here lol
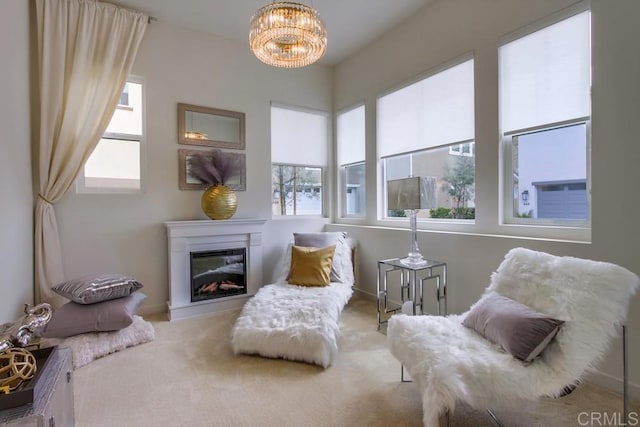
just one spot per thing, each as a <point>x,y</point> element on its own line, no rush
<point>184,237</point>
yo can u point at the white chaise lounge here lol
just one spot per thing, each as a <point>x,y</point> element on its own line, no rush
<point>294,322</point>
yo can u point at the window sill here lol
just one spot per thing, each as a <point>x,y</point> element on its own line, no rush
<point>289,217</point>
<point>470,228</point>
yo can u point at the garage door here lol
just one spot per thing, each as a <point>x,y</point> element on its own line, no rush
<point>562,200</point>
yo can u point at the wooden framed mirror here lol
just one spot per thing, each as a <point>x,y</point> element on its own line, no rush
<point>211,127</point>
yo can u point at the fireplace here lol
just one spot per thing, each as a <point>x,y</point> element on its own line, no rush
<point>218,274</point>
<point>226,256</point>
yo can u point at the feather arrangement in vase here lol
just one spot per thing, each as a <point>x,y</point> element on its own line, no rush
<point>215,168</point>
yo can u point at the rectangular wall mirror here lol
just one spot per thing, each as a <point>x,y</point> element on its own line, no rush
<point>211,127</point>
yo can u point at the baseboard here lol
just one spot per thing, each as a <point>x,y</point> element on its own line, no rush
<point>372,297</point>
<point>614,384</point>
<point>149,309</point>
<point>365,295</point>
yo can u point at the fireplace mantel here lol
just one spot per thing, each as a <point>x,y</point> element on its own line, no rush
<point>184,237</point>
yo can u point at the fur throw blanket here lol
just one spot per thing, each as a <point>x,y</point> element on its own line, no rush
<point>292,322</point>
<point>88,347</point>
<point>450,362</point>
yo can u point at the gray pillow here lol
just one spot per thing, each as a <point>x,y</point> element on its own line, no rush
<point>322,240</point>
<point>97,288</point>
<point>517,328</point>
<point>73,319</point>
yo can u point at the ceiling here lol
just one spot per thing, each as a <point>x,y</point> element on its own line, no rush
<point>351,24</point>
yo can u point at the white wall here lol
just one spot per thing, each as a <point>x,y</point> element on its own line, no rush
<point>448,29</point>
<point>125,233</point>
<point>16,193</point>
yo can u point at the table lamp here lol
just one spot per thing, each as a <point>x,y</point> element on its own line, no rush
<point>412,194</point>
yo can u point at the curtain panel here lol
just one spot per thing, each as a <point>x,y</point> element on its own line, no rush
<point>85,52</point>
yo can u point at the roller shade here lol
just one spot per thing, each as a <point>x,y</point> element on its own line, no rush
<point>435,111</point>
<point>545,76</point>
<point>298,137</point>
<point>351,136</point>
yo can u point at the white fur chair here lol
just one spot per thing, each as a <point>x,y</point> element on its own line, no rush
<point>450,362</point>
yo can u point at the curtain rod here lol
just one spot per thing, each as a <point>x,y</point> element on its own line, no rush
<point>151,18</point>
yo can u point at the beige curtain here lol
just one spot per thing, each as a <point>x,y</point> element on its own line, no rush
<point>85,52</point>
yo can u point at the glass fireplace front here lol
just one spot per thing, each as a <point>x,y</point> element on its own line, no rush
<point>218,274</point>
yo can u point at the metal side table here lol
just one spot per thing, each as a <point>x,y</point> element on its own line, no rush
<point>413,279</point>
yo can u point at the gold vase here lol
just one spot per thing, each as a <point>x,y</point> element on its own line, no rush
<point>219,202</point>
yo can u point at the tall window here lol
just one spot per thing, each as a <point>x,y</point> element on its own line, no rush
<point>298,158</point>
<point>351,161</point>
<point>544,118</point>
<point>427,129</point>
<point>114,165</point>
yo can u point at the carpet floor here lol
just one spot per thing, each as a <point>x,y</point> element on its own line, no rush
<point>188,376</point>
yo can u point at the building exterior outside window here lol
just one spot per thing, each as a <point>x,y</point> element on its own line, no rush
<point>545,107</point>
<point>115,164</point>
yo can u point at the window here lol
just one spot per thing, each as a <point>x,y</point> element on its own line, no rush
<point>351,161</point>
<point>114,165</point>
<point>298,156</point>
<point>550,186</point>
<point>124,96</point>
<point>545,117</point>
<point>466,149</point>
<point>303,181</point>
<point>355,190</point>
<point>427,129</point>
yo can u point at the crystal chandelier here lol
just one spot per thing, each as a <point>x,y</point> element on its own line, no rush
<point>288,35</point>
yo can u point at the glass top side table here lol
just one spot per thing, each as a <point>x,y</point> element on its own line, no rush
<point>412,282</point>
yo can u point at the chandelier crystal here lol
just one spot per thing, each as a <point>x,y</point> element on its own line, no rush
<point>288,35</point>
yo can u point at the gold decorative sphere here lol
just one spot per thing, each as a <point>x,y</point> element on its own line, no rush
<point>219,202</point>
<point>16,366</point>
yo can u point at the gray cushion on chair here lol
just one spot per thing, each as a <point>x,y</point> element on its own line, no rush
<point>515,327</point>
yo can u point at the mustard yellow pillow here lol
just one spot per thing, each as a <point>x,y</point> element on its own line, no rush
<point>311,266</point>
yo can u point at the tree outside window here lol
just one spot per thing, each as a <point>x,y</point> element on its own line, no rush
<point>297,190</point>
<point>458,182</point>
